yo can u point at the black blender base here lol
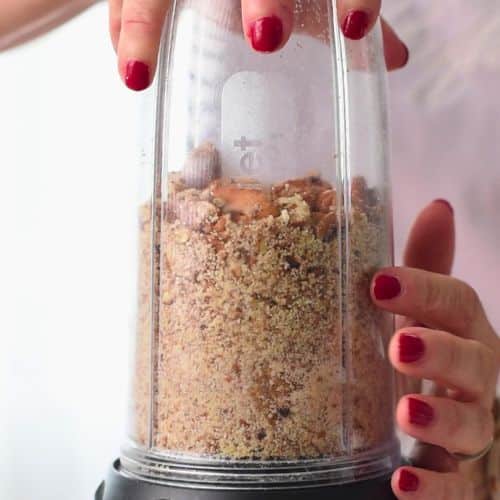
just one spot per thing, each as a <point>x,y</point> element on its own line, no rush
<point>119,487</point>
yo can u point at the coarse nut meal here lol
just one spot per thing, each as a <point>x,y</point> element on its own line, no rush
<point>265,348</point>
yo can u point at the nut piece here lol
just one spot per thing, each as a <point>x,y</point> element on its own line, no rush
<point>308,188</point>
<point>202,166</point>
<point>327,201</point>
<point>326,226</point>
<point>175,186</point>
<point>296,209</point>
<point>250,202</point>
<point>359,193</point>
<point>194,214</point>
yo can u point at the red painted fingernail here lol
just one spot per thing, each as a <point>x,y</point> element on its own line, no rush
<point>419,412</point>
<point>411,348</point>
<point>266,34</point>
<point>447,204</point>
<point>408,481</point>
<point>386,287</point>
<point>137,75</point>
<point>407,55</point>
<point>355,24</point>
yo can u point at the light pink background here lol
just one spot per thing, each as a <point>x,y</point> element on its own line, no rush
<point>445,110</point>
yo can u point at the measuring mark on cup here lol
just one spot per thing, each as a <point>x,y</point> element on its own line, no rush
<point>250,161</point>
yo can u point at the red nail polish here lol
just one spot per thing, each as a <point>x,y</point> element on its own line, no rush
<point>447,204</point>
<point>355,24</point>
<point>386,287</point>
<point>266,34</point>
<point>137,75</point>
<point>411,348</point>
<point>407,55</point>
<point>419,412</point>
<point>407,481</point>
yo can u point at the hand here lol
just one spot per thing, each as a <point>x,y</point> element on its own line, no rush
<point>457,349</point>
<point>136,27</point>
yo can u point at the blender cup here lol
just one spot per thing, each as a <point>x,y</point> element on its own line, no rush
<point>260,367</point>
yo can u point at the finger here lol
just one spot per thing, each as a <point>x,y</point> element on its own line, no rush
<point>465,428</point>
<point>467,366</point>
<point>429,456</point>
<point>141,27</point>
<point>396,52</point>
<point>357,17</point>
<point>115,21</point>
<point>431,244</point>
<point>419,484</point>
<point>267,24</point>
<point>432,299</point>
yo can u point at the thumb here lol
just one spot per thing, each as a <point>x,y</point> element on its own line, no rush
<point>431,243</point>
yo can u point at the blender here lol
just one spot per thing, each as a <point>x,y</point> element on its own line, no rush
<point>260,367</point>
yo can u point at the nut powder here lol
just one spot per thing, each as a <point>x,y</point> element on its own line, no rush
<point>249,358</point>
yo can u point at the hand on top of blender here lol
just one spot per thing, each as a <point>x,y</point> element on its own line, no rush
<point>136,27</point>
<point>449,341</point>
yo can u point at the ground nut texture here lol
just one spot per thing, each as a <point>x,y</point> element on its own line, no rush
<point>255,358</point>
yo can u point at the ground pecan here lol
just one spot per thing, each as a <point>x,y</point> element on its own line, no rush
<point>251,202</point>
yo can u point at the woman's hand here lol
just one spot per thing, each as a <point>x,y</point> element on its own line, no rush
<point>136,27</point>
<point>457,349</point>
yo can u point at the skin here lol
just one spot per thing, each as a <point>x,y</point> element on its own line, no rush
<point>462,357</point>
<point>22,20</point>
<point>135,27</point>
<point>462,351</point>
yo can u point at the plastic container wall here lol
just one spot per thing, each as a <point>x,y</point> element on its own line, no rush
<point>260,358</point>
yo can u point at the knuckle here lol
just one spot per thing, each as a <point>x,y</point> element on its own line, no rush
<point>468,303</point>
<point>141,18</point>
<point>486,424</point>
<point>432,299</point>
<point>452,359</point>
<point>454,423</point>
<point>486,365</point>
<point>482,362</point>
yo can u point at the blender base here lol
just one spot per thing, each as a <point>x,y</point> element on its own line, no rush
<point>117,486</point>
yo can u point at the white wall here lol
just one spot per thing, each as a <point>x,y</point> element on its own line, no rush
<point>67,186</point>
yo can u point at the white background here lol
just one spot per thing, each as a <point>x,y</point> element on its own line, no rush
<point>67,241</point>
<point>67,257</point>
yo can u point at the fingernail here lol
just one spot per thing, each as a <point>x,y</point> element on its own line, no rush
<point>137,75</point>
<point>411,348</point>
<point>447,204</point>
<point>355,24</point>
<point>266,33</point>
<point>419,412</point>
<point>386,287</point>
<point>408,481</point>
<point>407,55</point>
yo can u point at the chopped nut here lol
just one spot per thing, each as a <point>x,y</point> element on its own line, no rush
<point>202,166</point>
<point>308,188</point>
<point>249,341</point>
<point>261,434</point>
<point>235,269</point>
<point>298,210</point>
<point>253,203</point>
<point>195,213</point>
<point>326,226</point>
<point>359,193</point>
<point>220,225</point>
<point>182,235</point>
<point>284,411</point>
<point>292,262</point>
<point>167,297</point>
<point>327,201</point>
